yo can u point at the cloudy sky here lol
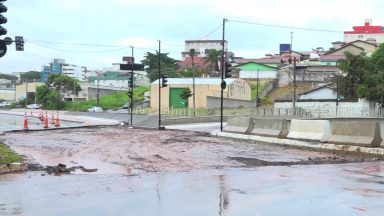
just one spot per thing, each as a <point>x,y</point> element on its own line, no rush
<point>95,33</point>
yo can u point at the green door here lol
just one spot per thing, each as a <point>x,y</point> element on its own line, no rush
<point>175,99</point>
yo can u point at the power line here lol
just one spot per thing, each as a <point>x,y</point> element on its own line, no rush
<point>286,27</point>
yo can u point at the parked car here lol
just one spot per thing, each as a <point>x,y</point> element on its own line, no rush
<point>4,104</point>
<point>125,106</point>
<point>95,109</point>
<point>33,106</point>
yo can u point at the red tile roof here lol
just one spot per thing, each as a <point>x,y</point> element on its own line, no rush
<point>197,61</point>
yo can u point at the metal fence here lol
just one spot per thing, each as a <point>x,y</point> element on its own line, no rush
<point>279,113</point>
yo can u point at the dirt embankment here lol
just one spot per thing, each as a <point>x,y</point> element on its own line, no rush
<point>124,150</point>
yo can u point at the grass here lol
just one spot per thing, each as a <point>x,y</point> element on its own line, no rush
<point>110,102</point>
<point>286,92</point>
<point>7,155</point>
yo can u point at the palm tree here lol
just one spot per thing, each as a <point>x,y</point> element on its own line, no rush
<point>213,57</point>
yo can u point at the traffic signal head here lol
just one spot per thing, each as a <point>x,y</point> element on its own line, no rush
<point>3,19</point>
<point>130,82</point>
<point>130,94</point>
<point>228,69</point>
<point>164,81</point>
<point>19,43</point>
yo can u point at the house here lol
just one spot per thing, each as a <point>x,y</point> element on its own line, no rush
<point>325,92</point>
<point>204,87</point>
<point>253,70</point>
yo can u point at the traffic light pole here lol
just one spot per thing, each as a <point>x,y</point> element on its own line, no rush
<point>159,88</point>
<point>222,77</point>
<point>131,98</point>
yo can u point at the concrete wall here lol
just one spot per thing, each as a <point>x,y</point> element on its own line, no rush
<point>271,127</point>
<point>327,108</point>
<point>318,130</point>
<point>356,133</point>
<point>239,125</point>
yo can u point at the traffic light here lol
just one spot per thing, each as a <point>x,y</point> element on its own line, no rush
<point>130,82</point>
<point>130,93</point>
<point>164,81</point>
<point>19,43</point>
<point>228,69</point>
<point>3,19</point>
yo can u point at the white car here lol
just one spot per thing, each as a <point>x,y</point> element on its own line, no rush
<point>95,109</point>
<point>33,106</point>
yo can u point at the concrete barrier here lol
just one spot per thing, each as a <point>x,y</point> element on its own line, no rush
<point>318,130</point>
<point>239,125</point>
<point>356,133</point>
<point>270,127</point>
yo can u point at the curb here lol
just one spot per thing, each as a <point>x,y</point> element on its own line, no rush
<point>13,167</point>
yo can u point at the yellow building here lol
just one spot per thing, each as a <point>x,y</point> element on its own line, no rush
<point>204,87</point>
<point>26,89</point>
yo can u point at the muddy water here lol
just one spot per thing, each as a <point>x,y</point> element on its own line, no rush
<point>343,189</point>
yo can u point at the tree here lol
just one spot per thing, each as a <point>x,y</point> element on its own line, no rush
<point>213,57</point>
<point>168,65</point>
<point>31,76</point>
<point>63,83</point>
<point>185,94</point>
<point>356,71</point>
<point>8,76</point>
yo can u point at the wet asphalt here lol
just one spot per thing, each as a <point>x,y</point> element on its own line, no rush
<point>344,189</point>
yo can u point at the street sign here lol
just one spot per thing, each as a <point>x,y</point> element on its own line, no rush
<point>129,59</point>
<point>3,48</point>
<point>136,67</point>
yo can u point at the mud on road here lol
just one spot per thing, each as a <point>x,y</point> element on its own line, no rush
<point>117,149</point>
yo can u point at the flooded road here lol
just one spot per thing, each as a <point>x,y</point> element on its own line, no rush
<point>152,172</point>
<point>346,189</point>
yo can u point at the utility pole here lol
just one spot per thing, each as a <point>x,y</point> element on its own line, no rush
<point>257,89</point>
<point>337,95</point>
<point>192,54</point>
<point>222,76</point>
<point>159,66</point>
<point>74,94</point>
<point>97,92</point>
<point>294,85</point>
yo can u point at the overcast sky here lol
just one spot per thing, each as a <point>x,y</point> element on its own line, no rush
<point>95,33</point>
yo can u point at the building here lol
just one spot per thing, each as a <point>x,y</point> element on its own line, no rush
<point>365,32</point>
<point>253,70</point>
<point>325,92</point>
<point>204,88</point>
<point>27,90</point>
<point>58,66</point>
<point>202,46</point>
<point>74,71</point>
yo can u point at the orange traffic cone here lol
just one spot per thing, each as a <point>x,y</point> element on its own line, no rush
<point>53,119</point>
<point>46,120</point>
<point>57,120</point>
<point>25,127</point>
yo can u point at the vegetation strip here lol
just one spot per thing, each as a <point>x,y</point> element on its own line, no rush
<point>8,156</point>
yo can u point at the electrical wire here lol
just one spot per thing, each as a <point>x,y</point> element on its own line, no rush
<point>286,27</point>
